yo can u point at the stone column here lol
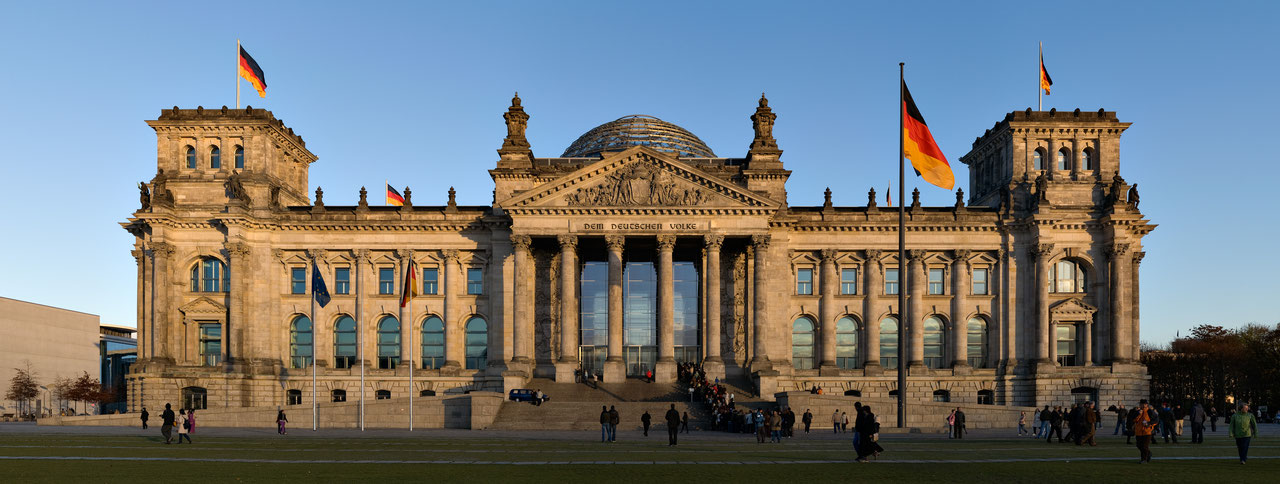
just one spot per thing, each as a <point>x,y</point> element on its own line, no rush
<point>243,346</point>
<point>406,259</point>
<point>1086,329</point>
<point>665,369</point>
<point>959,308</point>
<point>1132,351</point>
<point>1120,332</point>
<point>568,308</point>
<point>162,321</point>
<point>144,330</point>
<point>760,305</point>
<point>870,344</point>
<point>614,368</point>
<point>713,363</point>
<point>829,285</point>
<point>915,303</point>
<point>1044,337</point>
<point>363,259</point>
<point>522,331</point>
<point>454,333</point>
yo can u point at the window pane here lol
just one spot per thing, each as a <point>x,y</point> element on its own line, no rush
<point>386,280</point>
<point>804,281</point>
<point>849,281</point>
<point>239,157</point>
<point>215,158</point>
<point>342,280</point>
<point>475,283</point>
<point>298,279</point>
<point>430,278</point>
<point>935,281</point>
<point>890,281</point>
<point>980,281</point>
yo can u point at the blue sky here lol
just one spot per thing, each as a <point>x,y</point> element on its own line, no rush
<point>414,92</point>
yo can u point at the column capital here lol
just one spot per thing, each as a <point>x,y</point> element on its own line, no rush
<point>761,241</point>
<point>137,254</point>
<point>362,255</point>
<point>567,242</point>
<point>449,255</point>
<point>961,255</point>
<point>1137,257</point>
<point>1042,251</point>
<point>828,255</point>
<point>317,254</point>
<point>713,241</point>
<point>1000,254</point>
<point>1117,250</point>
<point>278,255</point>
<point>873,255</point>
<point>238,249</point>
<point>615,242</point>
<point>666,243</point>
<point>521,242</point>
<point>404,254</point>
<point>916,255</point>
<point>162,249</point>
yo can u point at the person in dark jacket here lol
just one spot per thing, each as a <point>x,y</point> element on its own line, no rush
<point>673,425</point>
<point>1090,426</point>
<point>614,420</point>
<point>1213,419</point>
<point>604,423</point>
<point>1129,420</point>
<point>1167,426</point>
<point>145,416</point>
<point>645,420</point>
<point>1055,425</point>
<point>864,423</point>
<point>684,423</point>
<point>1198,417</point>
<point>806,419</point>
<point>959,423</point>
<point>166,423</point>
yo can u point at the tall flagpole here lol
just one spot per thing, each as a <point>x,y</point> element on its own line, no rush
<point>360,343</point>
<point>238,103</point>
<point>410,342</point>
<point>902,252</point>
<point>315,418</point>
<point>1040,77</point>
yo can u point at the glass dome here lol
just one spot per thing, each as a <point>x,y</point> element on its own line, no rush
<point>638,130</point>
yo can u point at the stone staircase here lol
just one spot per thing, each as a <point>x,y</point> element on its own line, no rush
<point>576,406</point>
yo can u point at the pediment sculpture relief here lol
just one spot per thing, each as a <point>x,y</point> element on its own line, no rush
<point>642,183</point>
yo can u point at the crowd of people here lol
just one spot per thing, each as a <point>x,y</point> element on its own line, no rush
<point>184,421</point>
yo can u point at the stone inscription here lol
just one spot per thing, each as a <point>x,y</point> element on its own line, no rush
<point>639,226</point>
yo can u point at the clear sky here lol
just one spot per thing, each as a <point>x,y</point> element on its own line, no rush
<point>414,92</point>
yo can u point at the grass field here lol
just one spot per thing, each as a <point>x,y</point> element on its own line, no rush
<point>122,455</point>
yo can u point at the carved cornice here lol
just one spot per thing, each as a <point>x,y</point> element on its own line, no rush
<point>761,242</point>
<point>615,242</point>
<point>567,242</point>
<point>521,242</point>
<point>713,241</point>
<point>828,255</point>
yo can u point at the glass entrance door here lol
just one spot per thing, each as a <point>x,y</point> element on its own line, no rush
<point>640,359</point>
<point>592,358</point>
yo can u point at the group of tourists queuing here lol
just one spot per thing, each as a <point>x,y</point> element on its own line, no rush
<point>184,420</point>
<point>1144,423</point>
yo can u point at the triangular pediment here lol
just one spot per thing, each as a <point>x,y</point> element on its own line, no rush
<point>1072,307</point>
<point>203,305</point>
<point>639,177</point>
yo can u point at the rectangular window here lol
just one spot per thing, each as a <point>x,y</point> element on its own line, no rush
<point>342,280</point>
<point>890,281</point>
<point>386,280</point>
<point>1066,339</point>
<point>804,281</point>
<point>475,282</point>
<point>849,281</point>
<point>210,344</point>
<point>298,280</point>
<point>430,281</point>
<point>935,281</point>
<point>980,282</point>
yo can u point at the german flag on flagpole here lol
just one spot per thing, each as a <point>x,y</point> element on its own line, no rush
<point>1045,80</point>
<point>250,71</point>
<point>919,147</point>
<point>410,288</point>
<point>394,197</point>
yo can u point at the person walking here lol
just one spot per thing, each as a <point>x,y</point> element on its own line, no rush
<point>614,420</point>
<point>1243,427</point>
<point>184,426</point>
<point>645,421</point>
<point>806,419</point>
<point>1121,413</point>
<point>1035,423</point>
<point>776,427</point>
<point>1044,418</point>
<point>191,418</point>
<point>281,420</point>
<point>1143,425</point>
<point>835,421</point>
<point>684,423</point>
<point>951,425</point>
<point>604,423</point>
<point>761,426</point>
<point>867,428</point>
<point>844,422</point>
<point>1197,423</point>
<point>1055,425</point>
<point>166,423</point>
<point>145,416</point>
<point>1022,424</point>
<point>1090,425</point>
<point>959,423</point>
<point>537,397</point>
<point>1129,420</point>
<point>1167,429</point>
<point>673,425</point>
<point>1178,416</point>
<point>1213,419</point>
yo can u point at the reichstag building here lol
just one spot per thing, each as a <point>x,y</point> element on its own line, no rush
<point>638,248</point>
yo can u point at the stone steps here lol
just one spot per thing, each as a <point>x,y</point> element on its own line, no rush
<point>568,415</point>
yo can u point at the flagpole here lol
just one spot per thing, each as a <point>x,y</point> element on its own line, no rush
<point>410,342</point>
<point>360,342</point>
<point>238,106</point>
<point>1039,77</point>
<point>902,253</point>
<point>315,418</point>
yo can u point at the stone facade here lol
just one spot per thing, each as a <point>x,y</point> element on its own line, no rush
<point>1024,294</point>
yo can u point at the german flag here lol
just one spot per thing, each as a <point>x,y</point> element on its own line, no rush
<point>410,289</point>
<point>393,197</point>
<point>919,147</point>
<point>1045,80</point>
<point>250,71</point>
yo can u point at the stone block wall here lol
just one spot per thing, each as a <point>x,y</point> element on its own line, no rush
<point>926,416</point>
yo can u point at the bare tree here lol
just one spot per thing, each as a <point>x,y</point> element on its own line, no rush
<point>23,388</point>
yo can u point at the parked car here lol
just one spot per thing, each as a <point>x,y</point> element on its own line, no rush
<point>524,395</point>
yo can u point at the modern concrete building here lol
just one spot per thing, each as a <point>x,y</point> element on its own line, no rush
<point>636,249</point>
<point>54,342</point>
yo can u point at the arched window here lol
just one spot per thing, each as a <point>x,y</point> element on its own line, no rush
<point>802,343</point>
<point>1086,159</point>
<point>1037,159</point>
<point>344,342</point>
<point>986,397</point>
<point>976,341</point>
<point>889,342</point>
<point>1064,158</point>
<point>1067,276</point>
<point>432,343</point>
<point>300,342</point>
<point>339,395</point>
<point>382,395</point>
<point>847,343</point>
<point>240,157</point>
<point>293,397</point>
<point>388,343</point>
<point>941,396</point>
<point>191,157</point>
<point>195,398</point>
<point>215,158</point>
<point>477,343</point>
<point>934,341</point>
<point>853,393</point>
<point>209,275</point>
<point>427,393</point>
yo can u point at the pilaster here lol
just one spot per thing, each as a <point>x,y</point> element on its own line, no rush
<point>569,308</point>
<point>826,311</point>
<point>713,363</point>
<point>614,368</point>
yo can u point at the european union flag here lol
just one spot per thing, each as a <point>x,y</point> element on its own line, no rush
<point>318,289</point>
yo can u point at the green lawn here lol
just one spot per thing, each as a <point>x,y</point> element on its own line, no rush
<point>479,457</point>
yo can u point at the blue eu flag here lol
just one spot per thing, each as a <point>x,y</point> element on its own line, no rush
<point>318,289</point>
